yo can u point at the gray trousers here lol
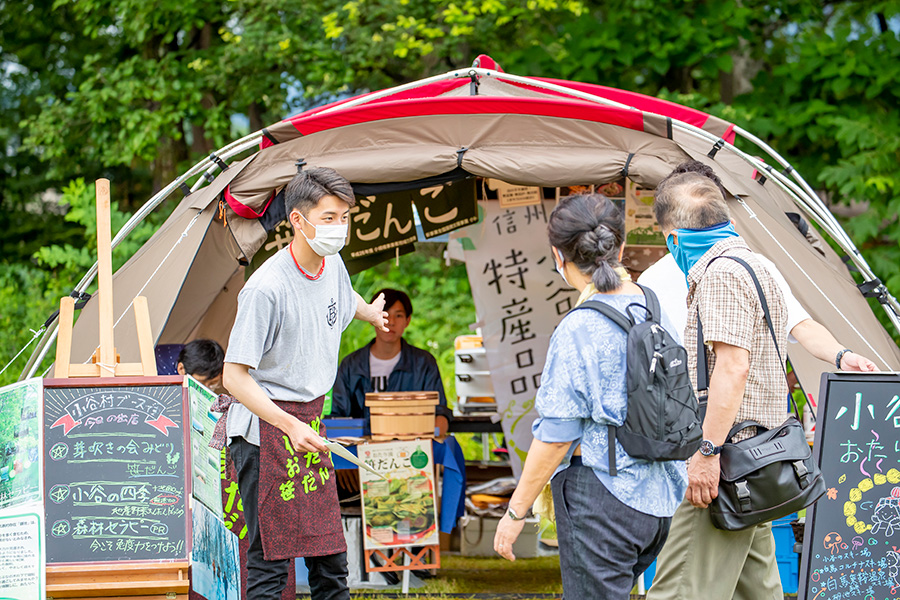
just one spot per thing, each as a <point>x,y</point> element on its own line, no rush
<point>604,545</point>
<point>701,561</point>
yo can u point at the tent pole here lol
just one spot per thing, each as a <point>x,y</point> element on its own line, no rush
<point>34,361</point>
<point>457,74</point>
<point>778,158</point>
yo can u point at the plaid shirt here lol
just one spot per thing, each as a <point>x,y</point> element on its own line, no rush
<point>724,297</point>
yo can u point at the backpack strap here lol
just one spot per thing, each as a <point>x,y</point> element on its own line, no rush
<point>625,323</point>
<point>702,365</point>
<point>611,313</point>
<point>654,312</point>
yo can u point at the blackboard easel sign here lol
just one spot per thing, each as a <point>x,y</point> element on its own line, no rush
<point>851,546</point>
<point>115,470</point>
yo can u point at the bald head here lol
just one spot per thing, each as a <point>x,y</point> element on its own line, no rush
<point>689,201</point>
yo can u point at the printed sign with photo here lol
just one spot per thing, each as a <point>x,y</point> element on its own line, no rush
<point>205,461</point>
<point>400,509</point>
<point>20,443</point>
<point>641,228</point>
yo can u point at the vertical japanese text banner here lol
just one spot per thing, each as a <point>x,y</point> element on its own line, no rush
<point>519,298</point>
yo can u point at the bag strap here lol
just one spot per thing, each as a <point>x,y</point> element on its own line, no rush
<point>611,313</point>
<point>622,321</point>
<point>701,353</point>
<point>744,425</point>
<point>653,314</point>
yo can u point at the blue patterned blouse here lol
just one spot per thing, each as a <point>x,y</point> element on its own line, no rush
<point>583,391</point>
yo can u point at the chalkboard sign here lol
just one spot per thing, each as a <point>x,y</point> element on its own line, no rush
<point>115,476</point>
<point>851,546</point>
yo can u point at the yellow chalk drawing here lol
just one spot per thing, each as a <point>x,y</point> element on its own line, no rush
<point>842,478</point>
<point>893,476</point>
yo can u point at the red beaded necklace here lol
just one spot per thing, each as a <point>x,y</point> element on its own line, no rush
<point>308,276</point>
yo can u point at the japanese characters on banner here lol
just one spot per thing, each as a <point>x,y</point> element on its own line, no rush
<point>21,433</point>
<point>400,509</point>
<point>22,552</point>
<point>444,208</point>
<point>379,223</point>
<point>519,298</point>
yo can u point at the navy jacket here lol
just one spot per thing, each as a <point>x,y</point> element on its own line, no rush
<point>416,371</point>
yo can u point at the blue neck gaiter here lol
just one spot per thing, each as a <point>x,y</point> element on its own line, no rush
<point>694,243</point>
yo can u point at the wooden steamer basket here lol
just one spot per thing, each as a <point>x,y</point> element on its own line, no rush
<point>401,415</point>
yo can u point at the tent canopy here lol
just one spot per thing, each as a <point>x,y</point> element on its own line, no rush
<point>471,123</point>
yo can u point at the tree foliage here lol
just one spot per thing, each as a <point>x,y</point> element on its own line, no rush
<point>138,91</point>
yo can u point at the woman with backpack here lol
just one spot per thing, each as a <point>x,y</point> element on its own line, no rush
<point>612,510</point>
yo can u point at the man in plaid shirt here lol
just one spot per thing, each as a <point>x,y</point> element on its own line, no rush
<point>746,382</point>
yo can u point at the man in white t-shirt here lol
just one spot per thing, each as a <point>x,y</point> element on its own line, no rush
<point>388,364</point>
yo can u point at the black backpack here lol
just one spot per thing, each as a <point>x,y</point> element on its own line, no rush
<point>663,419</point>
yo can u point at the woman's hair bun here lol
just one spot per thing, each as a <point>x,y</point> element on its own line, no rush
<point>606,239</point>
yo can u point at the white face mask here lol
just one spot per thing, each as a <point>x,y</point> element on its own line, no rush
<point>560,268</point>
<point>329,238</point>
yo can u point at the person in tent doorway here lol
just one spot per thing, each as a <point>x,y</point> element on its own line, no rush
<point>666,279</point>
<point>611,522</point>
<point>203,360</point>
<point>281,360</point>
<point>388,364</point>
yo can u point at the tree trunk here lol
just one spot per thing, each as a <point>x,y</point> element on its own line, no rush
<point>254,113</point>
<point>165,166</point>
<point>744,69</point>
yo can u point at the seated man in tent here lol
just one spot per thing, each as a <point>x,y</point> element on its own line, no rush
<point>388,364</point>
<point>203,360</point>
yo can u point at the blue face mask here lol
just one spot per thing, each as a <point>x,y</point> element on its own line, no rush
<point>693,243</point>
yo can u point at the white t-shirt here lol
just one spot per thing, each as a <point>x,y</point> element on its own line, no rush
<point>288,331</point>
<point>668,282</point>
<point>380,370</point>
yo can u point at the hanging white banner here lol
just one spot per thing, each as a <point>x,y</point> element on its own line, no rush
<point>519,298</point>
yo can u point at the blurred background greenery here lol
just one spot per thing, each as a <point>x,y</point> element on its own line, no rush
<point>137,92</point>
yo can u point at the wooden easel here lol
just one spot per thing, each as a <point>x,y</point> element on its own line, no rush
<point>125,580</point>
<point>105,360</point>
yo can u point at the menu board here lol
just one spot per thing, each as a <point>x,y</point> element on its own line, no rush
<point>851,546</point>
<point>206,462</point>
<point>400,509</point>
<point>115,475</point>
<point>20,443</point>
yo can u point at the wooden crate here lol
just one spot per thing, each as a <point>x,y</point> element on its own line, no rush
<point>402,415</point>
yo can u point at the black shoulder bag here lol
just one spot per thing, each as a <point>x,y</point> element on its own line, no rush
<point>769,475</point>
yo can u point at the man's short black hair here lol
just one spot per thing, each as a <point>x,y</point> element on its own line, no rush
<point>202,357</point>
<point>309,186</point>
<point>392,296</point>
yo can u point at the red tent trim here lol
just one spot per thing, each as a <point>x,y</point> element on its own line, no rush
<point>308,124</point>
<point>241,209</point>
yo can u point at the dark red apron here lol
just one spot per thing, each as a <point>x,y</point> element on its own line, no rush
<point>299,514</point>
